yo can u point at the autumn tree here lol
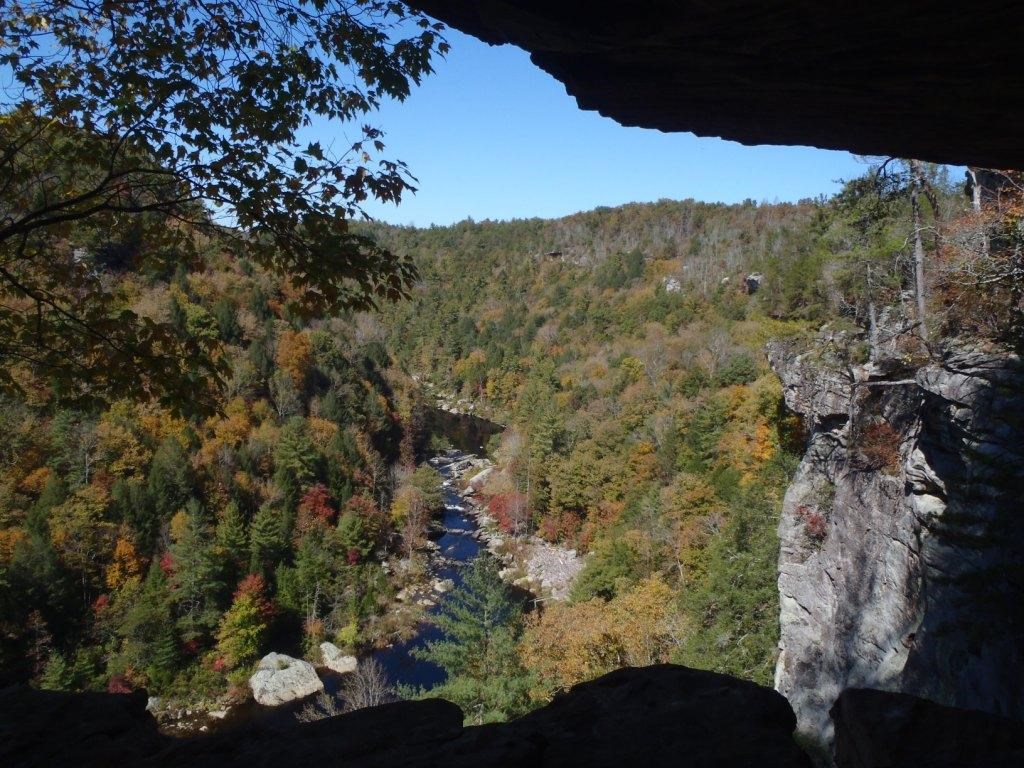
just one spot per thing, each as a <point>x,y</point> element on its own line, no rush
<point>243,627</point>
<point>140,127</point>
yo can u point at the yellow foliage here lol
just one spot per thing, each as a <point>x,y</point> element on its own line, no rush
<point>229,430</point>
<point>262,411</point>
<point>643,621</point>
<point>159,424</point>
<point>632,368</point>
<point>35,481</point>
<point>125,566</point>
<point>9,539</point>
<point>179,525</point>
<point>78,529</point>
<point>123,450</point>
<point>322,431</point>
<point>568,644</point>
<point>563,400</point>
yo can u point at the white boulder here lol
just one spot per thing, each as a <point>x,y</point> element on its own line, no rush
<point>336,661</point>
<point>280,679</point>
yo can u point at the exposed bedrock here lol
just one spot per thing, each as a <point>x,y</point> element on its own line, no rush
<point>654,716</point>
<point>933,81</point>
<point>902,540</point>
<point>875,729</point>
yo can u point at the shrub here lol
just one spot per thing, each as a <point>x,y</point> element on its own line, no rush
<point>878,447</point>
<point>815,523</point>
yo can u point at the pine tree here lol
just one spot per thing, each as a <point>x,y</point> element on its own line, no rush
<point>267,540</point>
<point>55,492</point>
<point>170,479</point>
<point>57,674</point>
<point>149,643</point>
<point>199,587</point>
<point>481,623</point>
<point>232,535</point>
<point>131,503</point>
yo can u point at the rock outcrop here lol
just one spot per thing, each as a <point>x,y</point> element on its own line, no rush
<point>279,679</point>
<point>902,544</point>
<point>823,74</point>
<point>54,728</point>
<point>875,729</point>
<point>654,716</point>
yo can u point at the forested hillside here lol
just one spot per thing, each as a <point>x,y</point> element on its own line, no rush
<point>142,546</point>
<point>625,349</point>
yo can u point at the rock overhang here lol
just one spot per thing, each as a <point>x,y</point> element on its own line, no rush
<point>936,82</point>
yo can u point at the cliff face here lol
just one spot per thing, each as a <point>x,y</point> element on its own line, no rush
<point>902,538</point>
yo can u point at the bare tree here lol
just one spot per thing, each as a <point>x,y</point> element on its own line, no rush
<point>368,686</point>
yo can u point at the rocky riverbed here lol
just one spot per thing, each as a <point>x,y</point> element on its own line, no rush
<point>547,570</point>
<point>459,534</point>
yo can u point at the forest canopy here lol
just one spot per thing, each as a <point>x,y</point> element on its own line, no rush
<point>138,135</point>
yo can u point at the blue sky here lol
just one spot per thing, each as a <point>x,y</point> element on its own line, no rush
<point>489,135</point>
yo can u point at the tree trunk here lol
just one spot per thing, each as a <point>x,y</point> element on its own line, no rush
<point>915,201</point>
<point>872,321</point>
<point>976,192</point>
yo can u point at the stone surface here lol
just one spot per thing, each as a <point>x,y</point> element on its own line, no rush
<point>875,729</point>
<point>911,580</point>
<point>936,82</point>
<point>53,728</point>
<point>336,661</point>
<point>654,716</point>
<point>279,679</point>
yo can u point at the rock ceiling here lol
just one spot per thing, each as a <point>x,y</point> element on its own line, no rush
<point>938,82</point>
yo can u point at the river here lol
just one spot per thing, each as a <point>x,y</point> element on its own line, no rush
<point>458,546</point>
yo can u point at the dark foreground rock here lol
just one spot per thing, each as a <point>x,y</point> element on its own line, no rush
<point>655,716</point>
<point>43,728</point>
<point>875,729</point>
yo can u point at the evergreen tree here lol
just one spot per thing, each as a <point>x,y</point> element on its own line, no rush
<point>198,578</point>
<point>149,643</point>
<point>57,674</point>
<point>267,540</point>
<point>55,492</point>
<point>227,321</point>
<point>232,536</point>
<point>481,623</point>
<point>131,503</point>
<point>170,482</point>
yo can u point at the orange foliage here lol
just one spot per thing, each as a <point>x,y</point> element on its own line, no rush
<point>9,539</point>
<point>316,509</point>
<point>568,644</point>
<point>295,356</point>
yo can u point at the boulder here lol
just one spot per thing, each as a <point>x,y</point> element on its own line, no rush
<point>476,481</point>
<point>336,661</point>
<point>878,729</point>
<point>652,716</point>
<point>280,679</point>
